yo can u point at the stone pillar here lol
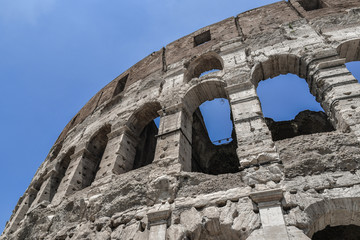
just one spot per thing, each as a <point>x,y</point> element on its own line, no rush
<point>158,221</point>
<point>174,137</point>
<point>44,193</point>
<point>272,219</point>
<point>255,145</point>
<point>77,176</point>
<point>338,92</point>
<point>119,154</point>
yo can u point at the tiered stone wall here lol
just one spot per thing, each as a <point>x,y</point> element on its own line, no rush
<point>87,187</point>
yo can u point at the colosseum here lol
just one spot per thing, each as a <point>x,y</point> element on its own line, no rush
<point>112,174</point>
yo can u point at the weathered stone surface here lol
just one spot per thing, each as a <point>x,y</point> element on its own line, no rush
<point>318,153</point>
<point>109,176</point>
<point>306,122</point>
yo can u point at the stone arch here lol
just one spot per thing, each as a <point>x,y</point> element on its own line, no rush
<point>205,156</point>
<point>205,62</point>
<point>143,128</point>
<point>205,91</point>
<point>276,65</point>
<point>302,124</point>
<point>349,50</point>
<point>61,169</point>
<point>142,116</point>
<point>332,212</point>
<point>95,151</point>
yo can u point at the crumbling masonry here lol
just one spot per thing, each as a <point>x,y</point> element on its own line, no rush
<point>113,175</point>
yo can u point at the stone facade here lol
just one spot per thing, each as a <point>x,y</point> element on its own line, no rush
<point>112,175</point>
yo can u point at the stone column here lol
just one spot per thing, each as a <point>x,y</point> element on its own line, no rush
<point>158,221</point>
<point>272,219</point>
<point>338,92</point>
<point>174,137</point>
<point>44,193</point>
<point>119,154</point>
<point>255,145</point>
<point>77,175</point>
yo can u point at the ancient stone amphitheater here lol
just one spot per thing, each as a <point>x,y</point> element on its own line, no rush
<point>113,175</point>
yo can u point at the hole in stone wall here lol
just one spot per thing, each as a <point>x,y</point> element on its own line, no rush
<point>202,38</point>
<point>348,232</point>
<point>96,148</point>
<point>120,85</point>
<point>145,150</point>
<point>289,108</point>
<point>213,139</point>
<point>310,5</point>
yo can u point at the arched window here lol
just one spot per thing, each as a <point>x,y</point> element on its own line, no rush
<point>145,149</point>
<point>205,64</point>
<point>61,170</point>
<point>144,128</point>
<point>287,105</point>
<point>96,148</point>
<point>208,157</point>
<point>289,108</point>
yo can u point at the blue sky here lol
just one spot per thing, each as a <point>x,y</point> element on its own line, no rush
<point>56,54</point>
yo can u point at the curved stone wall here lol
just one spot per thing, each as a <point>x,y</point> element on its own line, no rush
<point>112,175</point>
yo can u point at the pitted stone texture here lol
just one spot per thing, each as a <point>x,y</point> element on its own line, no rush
<point>319,152</point>
<point>318,173</point>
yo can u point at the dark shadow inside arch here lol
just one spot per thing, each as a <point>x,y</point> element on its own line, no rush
<point>289,108</point>
<point>96,148</point>
<point>144,125</point>
<point>61,170</point>
<point>213,139</point>
<point>344,232</point>
<point>145,150</point>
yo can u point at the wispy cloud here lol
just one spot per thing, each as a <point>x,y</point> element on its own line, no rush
<point>27,11</point>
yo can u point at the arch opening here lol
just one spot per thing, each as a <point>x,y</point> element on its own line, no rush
<point>145,150</point>
<point>287,105</point>
<point>347,232</point>
<point>208,102</point>
<point>350,50</point>
<point>144,125</point>
<point>96,148</point>
<point>61,170</point>
<point>289,108</point>
<point>326,214</point>
<point>205,64</point>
